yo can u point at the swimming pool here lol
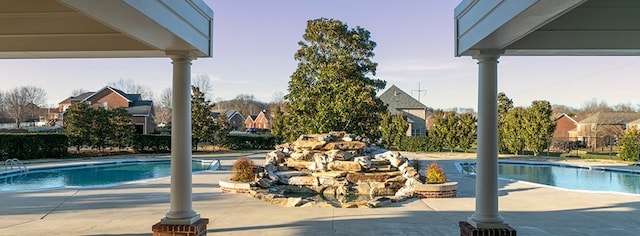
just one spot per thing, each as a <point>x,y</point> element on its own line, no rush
<point>570,177</point>
<point>91,175</point>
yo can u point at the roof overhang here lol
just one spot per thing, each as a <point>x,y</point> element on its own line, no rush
<point>104,29</point>
<point>548,27</point>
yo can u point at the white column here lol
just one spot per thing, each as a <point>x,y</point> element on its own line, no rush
<point>486,214</point>
<point>181,212</point>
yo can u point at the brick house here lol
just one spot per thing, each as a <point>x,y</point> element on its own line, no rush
<point>561,135</point>
<point>108,98</point>
<point>260,121</point>
<point>602,129</point>
<point>398,101</point>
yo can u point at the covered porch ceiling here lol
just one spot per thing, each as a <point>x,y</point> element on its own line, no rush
<point>104,29</point>
<point>548,27</point>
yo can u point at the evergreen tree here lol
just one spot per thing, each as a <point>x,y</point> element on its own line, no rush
<point>450,130</point>
<point>400,126</point>
<point>203,127</point>
<point>331,88</point>
<point>122,129</point>
<point>277,124</point>
<point>629,145</point>
<point>101,129</point>
<point>222,127</point>
<point>512,129</point>
<point>77,124</point>
<point>505,104</point>
<point>386,129</point>
<point>467,131</point>
<point>538,126</point>
<point>438,131</point>
<point>392,129</point>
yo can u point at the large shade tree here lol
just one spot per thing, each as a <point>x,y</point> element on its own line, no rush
<point>332,88</point>
<point>23,103</point>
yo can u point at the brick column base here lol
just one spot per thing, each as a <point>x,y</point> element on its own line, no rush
<point>199,228</point>
<point>467,229</point>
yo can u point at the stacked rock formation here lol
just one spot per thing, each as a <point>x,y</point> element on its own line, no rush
<point>336,165</point>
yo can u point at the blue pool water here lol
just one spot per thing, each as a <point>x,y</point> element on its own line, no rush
<point>572,177</point>
<point>94,175</point>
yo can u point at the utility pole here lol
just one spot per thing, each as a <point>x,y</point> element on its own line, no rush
<point>419,92</point>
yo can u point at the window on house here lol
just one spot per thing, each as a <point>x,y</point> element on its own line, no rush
<point>105,105</point>
<point>416,132</point>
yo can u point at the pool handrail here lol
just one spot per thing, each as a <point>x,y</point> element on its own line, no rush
<point>17,163</point>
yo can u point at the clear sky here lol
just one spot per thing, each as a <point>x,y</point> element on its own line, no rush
<point>254,43</point>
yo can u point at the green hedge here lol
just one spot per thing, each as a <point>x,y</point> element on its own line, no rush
<point>32,146</point>
<point>241,142</point>
<point>413,143</point>
<point>152,143</point>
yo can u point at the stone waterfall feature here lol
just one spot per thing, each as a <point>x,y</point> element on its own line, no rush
<point>336,166</point>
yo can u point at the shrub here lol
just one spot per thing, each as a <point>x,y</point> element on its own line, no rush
<point>32,146</point>
<point>242,170</point>
<point>413,143</point>
<point>243,142</point>
<point>434,174</point>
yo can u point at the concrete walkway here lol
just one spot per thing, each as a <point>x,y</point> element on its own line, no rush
<point>132,209</point>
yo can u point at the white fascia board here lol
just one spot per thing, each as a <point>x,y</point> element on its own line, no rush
<point>166,25</point>
<point>495,24</point>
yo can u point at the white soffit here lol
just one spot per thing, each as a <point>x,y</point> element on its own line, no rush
<point>548,27</point>
<point>102,29</point>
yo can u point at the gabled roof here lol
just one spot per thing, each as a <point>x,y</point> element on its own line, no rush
<point>396,100</point>
<point>232,113</point>
<point>215,113</point>
<point>611,118</point>
<point>117,91</point>
<point>565,115</point>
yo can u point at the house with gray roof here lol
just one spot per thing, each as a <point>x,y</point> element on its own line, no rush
<point>108,97</point>
<point>398,101</point>
<point>235,119</point>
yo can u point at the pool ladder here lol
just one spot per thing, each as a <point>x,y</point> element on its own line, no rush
<point>214,165</point>
<point>11,163</point>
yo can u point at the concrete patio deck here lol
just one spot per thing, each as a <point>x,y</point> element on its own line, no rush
<point>132,209</point>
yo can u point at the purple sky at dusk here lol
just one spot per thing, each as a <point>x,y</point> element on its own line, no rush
<point>254,43</point>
